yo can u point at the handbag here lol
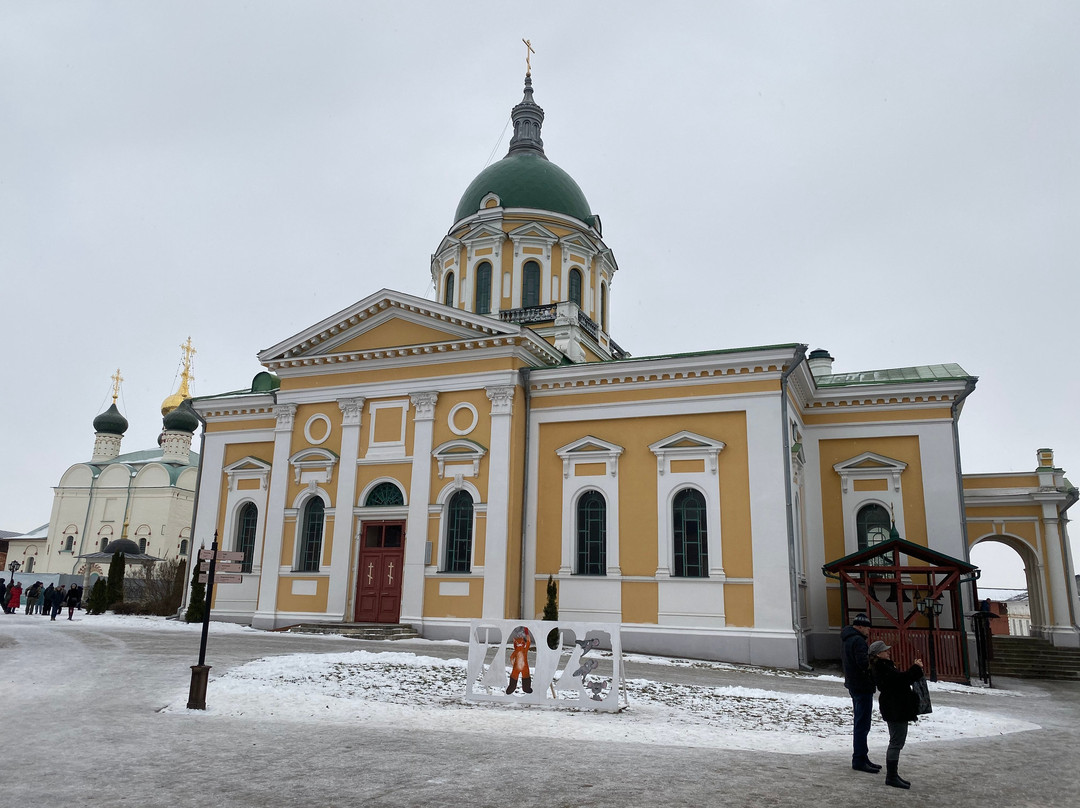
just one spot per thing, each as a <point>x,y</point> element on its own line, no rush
<point>922,694</point>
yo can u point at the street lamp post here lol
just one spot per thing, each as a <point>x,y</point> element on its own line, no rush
<point>14,567</point>
<point>930,608</point>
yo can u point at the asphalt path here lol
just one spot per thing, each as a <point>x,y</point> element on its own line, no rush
<point>80,714</point>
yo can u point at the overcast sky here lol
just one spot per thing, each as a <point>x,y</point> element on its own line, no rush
<point>895,182</point>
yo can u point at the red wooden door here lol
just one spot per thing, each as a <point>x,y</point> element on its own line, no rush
<point>378,579</point>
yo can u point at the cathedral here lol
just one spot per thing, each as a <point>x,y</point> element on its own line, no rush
<point>432,462</point>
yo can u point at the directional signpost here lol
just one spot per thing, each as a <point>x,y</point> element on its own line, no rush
<point>210,562</point>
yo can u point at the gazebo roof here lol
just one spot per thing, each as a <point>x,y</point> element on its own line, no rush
<point>904,546</point>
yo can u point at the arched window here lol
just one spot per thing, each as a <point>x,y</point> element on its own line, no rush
<point>483,288</point>
<point>448,291</point>
<point>872,524</point>
<point>29,565</point>
<point>245,534</point>
<point>311,537</point>
<point>69,544</point>
<point>183,547</point>
<point>384,495</point>
<point>575,286</point>
<point>690,534</point>
<point>591,534</point>
<point>530,292</point>
<point>142,546</point>
<point>104,544</point>
<point>603,307</point>
<point>459,526</point>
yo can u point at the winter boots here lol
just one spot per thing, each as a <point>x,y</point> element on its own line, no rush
<point>526,685</point>
<point>892,778</point>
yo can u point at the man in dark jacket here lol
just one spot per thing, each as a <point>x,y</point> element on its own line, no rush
<point>859,683</point>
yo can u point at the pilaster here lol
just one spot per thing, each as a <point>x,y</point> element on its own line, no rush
<point>498,502</point>
<point>416,529</point>
<point>352,410</point>
<point>266,614</point>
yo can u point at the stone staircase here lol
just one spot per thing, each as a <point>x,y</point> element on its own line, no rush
<point>358,631</point>
<point>1033,658</point>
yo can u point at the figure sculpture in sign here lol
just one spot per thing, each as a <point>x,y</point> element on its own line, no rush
<point>519,662</point>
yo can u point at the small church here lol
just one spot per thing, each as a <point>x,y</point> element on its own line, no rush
<point>431,462</point>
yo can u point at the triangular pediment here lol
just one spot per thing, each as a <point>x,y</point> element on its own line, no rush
<point>250,464</point>
<point>578,243</point>
<point>533,230</point>
<point>589,444</point>
<point>387,320</point>
<point>484,230</point>
<point>869,462</point>
<point>686,440</point>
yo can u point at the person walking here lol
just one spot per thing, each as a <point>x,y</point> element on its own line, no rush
<point>898,705</point>
<point>57,602</point>
<point>14,594</point>
<point>3,596</point>
<point>73,599</point>
<point>47,599</point>
<point>855,658</point>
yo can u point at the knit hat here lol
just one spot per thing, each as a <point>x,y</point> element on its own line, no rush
<point>861,620</point>
<point>877,647</point>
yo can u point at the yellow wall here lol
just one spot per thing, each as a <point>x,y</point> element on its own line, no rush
<point>288,602</point>
<point>640,602</point>
<point>637,487</point>
<point>904,448</point>
<point>436,605</point>
<point>738,604</point>
<point>394,333</point>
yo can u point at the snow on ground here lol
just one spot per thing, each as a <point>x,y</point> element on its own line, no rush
<point>408,690</point>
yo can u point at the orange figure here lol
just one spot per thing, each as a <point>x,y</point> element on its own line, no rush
<point>519,663</point>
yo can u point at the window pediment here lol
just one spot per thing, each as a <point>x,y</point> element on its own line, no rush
<point>867,466</point>
<point>590,450</point>
<point>313,466</point>
<point>686,445</point>
<point>459,453</point>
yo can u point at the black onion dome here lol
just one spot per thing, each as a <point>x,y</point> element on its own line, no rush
<point>111,422</point>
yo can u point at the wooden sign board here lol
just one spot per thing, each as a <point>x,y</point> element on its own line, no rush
<point>222,566</point>
<point>206,555</point>
<point>221,579</point>
<point>230,555</point>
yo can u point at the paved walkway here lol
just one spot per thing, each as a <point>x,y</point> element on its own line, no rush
<point>78,706</point>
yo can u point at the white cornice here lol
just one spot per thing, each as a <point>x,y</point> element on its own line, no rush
<point>525,346</point>
<point>663,371</point>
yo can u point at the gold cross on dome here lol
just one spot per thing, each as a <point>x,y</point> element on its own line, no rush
<point>116,379</point>
<point>528,50</point>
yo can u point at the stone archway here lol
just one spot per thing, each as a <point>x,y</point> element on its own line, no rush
<point>1033,576</point>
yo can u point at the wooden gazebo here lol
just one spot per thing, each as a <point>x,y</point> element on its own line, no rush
<point>912,596</point>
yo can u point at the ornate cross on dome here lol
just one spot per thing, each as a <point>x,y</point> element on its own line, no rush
<point>528,50</point>
<point>116,379</point>
<point>185,374</point>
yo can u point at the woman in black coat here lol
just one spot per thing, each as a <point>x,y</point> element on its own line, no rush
<point>898,704</point>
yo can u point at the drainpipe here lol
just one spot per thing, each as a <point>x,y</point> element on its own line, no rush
<point>797,359</point>
<point>524,373</point>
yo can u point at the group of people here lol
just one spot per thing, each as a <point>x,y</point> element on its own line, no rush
<point>40,599</point>
<point>869,667</point>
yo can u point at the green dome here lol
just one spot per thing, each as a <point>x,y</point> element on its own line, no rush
<point>111,422</point>
<point>182,419</point>
<point>526,180</point>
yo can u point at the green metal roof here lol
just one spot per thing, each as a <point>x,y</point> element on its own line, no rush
<point>920,373</point>
<point>526,180</point>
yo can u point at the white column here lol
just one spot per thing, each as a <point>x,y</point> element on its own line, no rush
<point>498,502</point>
<point>266,611</point>
<point>416,529</point>
<point>212,456</point>
<point>341,550</point>
<point>1061,628</point>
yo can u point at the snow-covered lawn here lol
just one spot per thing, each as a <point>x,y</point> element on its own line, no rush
<point>409,690</point>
